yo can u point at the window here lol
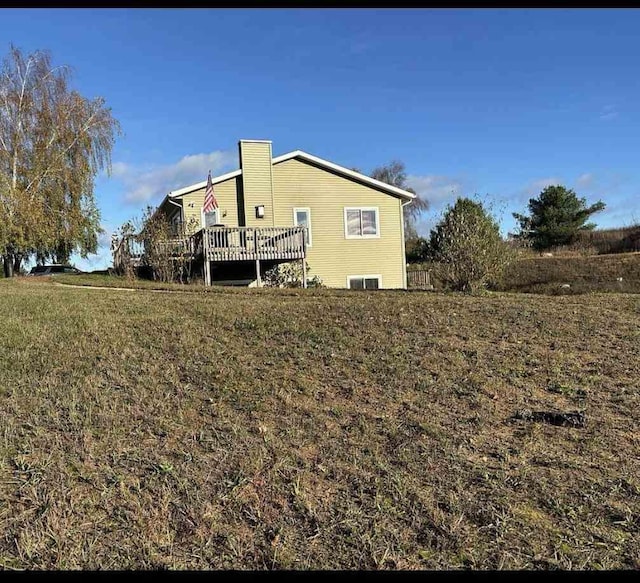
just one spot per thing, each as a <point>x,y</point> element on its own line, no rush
<point>364,281</point>
<point>302,218</point>
<point>361,222</point>
<point>176,224</point>
<point>210,219</point>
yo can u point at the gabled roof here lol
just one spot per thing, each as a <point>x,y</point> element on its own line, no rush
<point>313,160</point>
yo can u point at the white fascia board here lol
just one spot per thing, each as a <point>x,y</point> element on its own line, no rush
<point>199,185</point>
<point>345,171</point>
<point>310,158</point>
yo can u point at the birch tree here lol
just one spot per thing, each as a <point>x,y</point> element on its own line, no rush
<point>53,142</point>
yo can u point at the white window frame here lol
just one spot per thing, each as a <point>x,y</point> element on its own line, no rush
<point>175,221</point>
<point>361,208</point>
<point>363,277</point>
<point>308,211</point>
<point>217,211</point>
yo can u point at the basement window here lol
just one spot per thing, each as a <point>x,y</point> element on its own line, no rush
<point>364,281</point>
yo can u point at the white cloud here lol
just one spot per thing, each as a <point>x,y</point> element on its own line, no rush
<point>98,261</point>
<point>585,180</point>
<point>104,238</point>
<point>608,112</point>
<point>102,258</point>
<point>150,185</point>
<point>119,169</point>
<point>436,189</point>
<point>535,187</point>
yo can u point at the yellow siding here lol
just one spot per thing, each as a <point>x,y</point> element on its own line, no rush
<point>226,195</point>
<point>255,161</point>
<point>332,256</point>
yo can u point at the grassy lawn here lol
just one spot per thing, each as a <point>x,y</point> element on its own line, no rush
<point>254,429</point>
<point>115,281</point>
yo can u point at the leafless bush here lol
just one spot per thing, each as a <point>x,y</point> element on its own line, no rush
<point>166,250</point>
<point>289,275</point>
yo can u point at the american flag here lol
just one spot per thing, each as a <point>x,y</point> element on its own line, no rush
<point>210,202</point>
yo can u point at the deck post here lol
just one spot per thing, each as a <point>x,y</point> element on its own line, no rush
<point>207,271</point>
<point>258,279</point>
<point>304,272</point>
<point>304,257</point>
<point>205,254</point>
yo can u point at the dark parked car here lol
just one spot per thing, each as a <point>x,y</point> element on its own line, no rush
<point>54,270</point>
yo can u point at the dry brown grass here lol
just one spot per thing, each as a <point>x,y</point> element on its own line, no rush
<point>316,429</point>
<point>596,242</point>
<point>618,272</point>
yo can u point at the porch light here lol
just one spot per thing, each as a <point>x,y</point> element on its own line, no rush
<point>260,211</point>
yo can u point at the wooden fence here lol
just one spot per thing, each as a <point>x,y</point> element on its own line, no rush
<point>420,279</point>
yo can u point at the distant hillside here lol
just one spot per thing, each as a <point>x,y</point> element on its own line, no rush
<point>615,272</point>
<point>600,242</point>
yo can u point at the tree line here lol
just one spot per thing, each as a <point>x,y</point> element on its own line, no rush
<point>466,243</point>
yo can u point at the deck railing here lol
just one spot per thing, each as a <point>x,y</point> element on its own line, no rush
<point>131,250</point>
<point>217,244</point>
<point>127,251</point>
<point>251,243</point>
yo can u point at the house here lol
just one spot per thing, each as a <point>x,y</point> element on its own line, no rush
<point>346,226</point>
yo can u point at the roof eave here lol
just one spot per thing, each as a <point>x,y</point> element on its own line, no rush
<point>347,172</point>
<point>394,190</point>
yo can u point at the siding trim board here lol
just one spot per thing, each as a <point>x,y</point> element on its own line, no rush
<point>404,252</point>
<point>273,201</point>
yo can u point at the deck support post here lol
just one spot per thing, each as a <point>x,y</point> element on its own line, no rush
<point>304,272</point>
<point>258,279</point>
<point>207,272</point>
<point>205,256</point>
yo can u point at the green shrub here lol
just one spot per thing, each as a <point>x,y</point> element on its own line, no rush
<point>467,249</point>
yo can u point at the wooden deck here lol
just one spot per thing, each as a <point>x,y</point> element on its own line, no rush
<point>251,244</point>
<point>220,244</point>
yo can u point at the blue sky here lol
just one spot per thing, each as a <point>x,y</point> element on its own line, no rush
<point>498,102</point>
